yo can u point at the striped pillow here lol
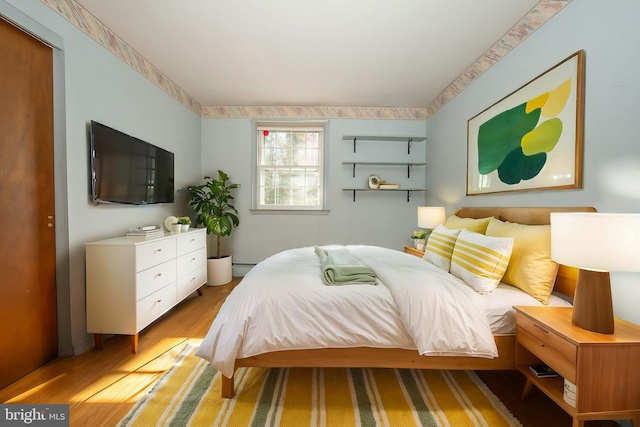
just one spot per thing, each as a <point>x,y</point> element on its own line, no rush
<point>481,260</point>
<point>440,247</point>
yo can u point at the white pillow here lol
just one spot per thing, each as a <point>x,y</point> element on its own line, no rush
<point>440,247</point>
<point>481,260</point>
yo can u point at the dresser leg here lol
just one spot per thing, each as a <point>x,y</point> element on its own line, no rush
<point>526,389</point>
<point>98,340</point>
<point>199,291</point>
<point>577,423</point>
<point>134,343</point>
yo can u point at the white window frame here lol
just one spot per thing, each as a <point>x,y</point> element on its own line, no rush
<point>259,127</point>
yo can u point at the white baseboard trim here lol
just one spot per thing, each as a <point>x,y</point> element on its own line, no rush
<point>83,345</point>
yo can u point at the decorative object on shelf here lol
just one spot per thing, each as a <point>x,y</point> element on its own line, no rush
<point>596,243</point>
<point>429,217</point>
<point>569,392</point>
<point>388,186</point>
<point>531,139</point>
<point>419,239</point>
<point>374,181</point>
<point>169,221</point>
<point>184,222</point>
<point>211,203</point>
<point>175,227</point>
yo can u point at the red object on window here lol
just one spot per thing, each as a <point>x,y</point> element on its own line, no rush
<point>265,133</point>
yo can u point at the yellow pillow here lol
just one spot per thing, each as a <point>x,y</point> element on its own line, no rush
<point>480,260</point>
<point>472,224</point>
<point>440,247</point>
<point>531,268</point>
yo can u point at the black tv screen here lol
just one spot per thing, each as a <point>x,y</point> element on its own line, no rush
<point>128,170</point>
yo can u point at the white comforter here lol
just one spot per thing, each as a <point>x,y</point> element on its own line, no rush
<point>282,304</point>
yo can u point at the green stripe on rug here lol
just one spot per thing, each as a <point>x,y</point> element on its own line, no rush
<point>189,395</point>
<point>410,385</point>
<point>192,399</point>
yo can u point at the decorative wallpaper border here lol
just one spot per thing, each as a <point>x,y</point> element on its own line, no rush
<point>90,25</point>
<point>306,112</point>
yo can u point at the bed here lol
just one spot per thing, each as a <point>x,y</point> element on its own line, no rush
<point>237,339</point>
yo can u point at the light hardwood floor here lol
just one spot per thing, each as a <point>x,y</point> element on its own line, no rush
<point>102,386</point>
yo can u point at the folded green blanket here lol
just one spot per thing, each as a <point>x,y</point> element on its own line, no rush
<point>339,267</point>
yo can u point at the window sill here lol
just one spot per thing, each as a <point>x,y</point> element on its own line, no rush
<point>289,211</point>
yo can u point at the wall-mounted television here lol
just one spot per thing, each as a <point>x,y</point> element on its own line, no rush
<point>127,170</point>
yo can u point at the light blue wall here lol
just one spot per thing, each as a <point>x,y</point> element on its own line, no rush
<point>384,219</point>
<point>611,126</point>
<point>98,86</point>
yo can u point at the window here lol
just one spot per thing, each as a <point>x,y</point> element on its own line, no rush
<point>290,166</point>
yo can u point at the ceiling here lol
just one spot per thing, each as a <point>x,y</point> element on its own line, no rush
<point>355,53</point>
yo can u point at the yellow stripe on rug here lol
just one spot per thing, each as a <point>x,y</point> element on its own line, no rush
<point>189,395</point>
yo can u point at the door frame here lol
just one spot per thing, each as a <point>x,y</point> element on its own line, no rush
<point>63,293</point>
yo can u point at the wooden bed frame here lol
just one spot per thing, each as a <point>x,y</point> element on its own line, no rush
<point>362,357</point>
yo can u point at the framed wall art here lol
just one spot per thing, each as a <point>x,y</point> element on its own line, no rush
<point>532,138</point>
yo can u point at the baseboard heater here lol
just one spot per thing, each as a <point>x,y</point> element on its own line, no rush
<point>242,268</point>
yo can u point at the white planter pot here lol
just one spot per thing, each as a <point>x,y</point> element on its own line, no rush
<point>219,271</point>
<point>419,244</point>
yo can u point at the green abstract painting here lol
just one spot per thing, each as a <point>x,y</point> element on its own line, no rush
<point>529,140</point>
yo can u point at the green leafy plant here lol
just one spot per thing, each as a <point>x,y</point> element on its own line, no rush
<point>211,203</point>
<point>419,234</point>
<point>185,220</point>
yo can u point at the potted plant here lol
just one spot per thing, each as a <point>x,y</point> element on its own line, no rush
<point>419,239</point>
<point>184,222</point>
<point>211,203</point>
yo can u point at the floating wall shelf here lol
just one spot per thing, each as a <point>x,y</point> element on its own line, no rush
<point>409,140</point>
<point>409,164</point>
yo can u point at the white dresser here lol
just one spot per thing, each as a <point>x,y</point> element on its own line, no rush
<point>131,281</point>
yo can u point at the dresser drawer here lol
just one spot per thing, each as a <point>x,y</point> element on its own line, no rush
<point>192,241</point>
<point>154,278</point>
<point>154,253</point>
<point>191,261</point>
<point>190,282</point>
<point>562,357</point>
<point>150,308</point>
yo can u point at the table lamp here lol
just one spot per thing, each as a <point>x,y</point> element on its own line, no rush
<point>596,243</point>
<point>429,217</point>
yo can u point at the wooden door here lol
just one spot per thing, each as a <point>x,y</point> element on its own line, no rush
<point>28,321</point>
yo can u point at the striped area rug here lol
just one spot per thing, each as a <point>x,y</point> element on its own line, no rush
<point>189,395</point>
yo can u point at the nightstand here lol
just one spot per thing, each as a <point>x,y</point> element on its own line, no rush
<point>413,251</point>
<point>603,367</point>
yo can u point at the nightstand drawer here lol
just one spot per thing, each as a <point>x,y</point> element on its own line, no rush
<point>561,355</point>
<point>547,336</point>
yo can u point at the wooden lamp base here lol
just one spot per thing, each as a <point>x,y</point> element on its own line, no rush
<point>592,303</point>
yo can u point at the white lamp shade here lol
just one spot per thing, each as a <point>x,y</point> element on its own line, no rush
<point>430,216</point>
<point>596,241</point>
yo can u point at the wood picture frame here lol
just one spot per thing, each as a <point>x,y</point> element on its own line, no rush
<point>532,138</point>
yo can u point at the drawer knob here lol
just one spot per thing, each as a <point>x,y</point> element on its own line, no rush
<point>193,240</point>
<point>159,274</point>
<point>159,300</point>
<point>159,250</point>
